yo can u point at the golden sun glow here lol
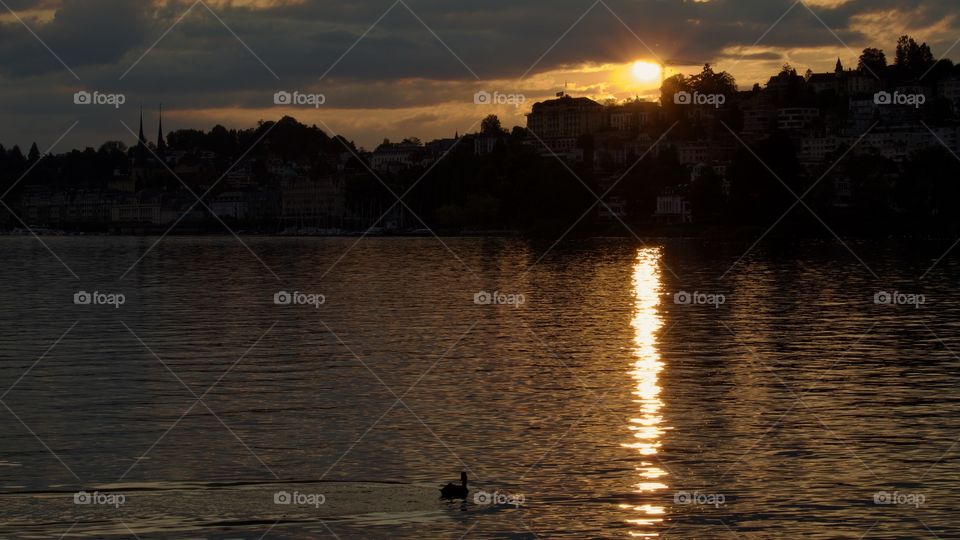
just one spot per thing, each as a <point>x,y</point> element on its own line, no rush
<point>646,71</point>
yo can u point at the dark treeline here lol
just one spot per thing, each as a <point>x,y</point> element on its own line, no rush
<point>92,169</point>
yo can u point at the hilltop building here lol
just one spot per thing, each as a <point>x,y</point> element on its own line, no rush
<point>389,156</point>
<point>851,82</point>
<point>560,122</point>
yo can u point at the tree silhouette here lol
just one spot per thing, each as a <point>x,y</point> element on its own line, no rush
<point>710,82</point>
<point>491,126</point>
<point>913,59</point>
<point>873,61</point>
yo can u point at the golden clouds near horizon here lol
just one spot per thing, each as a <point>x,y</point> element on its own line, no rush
<point>39,15</point>
<point>247,4</point>
<point>597,81</point>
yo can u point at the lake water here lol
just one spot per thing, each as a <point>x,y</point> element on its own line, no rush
<point>590,404</point>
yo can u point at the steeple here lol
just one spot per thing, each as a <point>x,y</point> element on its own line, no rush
<point>142,139</point>
<point>839,68</point>
<point>161,145</point>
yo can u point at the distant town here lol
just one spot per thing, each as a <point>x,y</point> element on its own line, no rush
<point>870,148</point>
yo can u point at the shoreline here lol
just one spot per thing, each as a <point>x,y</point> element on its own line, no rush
<point>718,234</point>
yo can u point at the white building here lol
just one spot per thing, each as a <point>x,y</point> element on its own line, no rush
<point>232,204</point>
<point>673,208</point>
<point>144,207</point>
<point>613,208</point>
<point>394,154</point>
<point>950,89</point>
<point>814,150</point>
<point>758,121</point>
<point>793,118</point>
<point>485,144</point>
<point>900,142</point>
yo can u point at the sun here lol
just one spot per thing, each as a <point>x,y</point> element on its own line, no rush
<point>646,71</point>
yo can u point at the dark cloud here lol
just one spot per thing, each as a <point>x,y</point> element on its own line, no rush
<point>82,33</point>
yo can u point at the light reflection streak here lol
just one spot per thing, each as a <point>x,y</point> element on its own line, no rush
<point>647,428</point>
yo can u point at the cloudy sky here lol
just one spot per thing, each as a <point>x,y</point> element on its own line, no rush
<point>397,68</point>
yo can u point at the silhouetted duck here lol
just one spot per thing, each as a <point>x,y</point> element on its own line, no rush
<point>453,491</point>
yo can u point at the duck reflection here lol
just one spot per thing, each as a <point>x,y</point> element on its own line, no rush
<point>647,427</point>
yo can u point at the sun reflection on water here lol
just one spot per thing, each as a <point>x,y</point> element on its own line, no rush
<point>647,427</point>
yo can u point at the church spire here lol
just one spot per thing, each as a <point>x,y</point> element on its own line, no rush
<point>839,68</point>
<point>142,139</point>
<point>161,145</point>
